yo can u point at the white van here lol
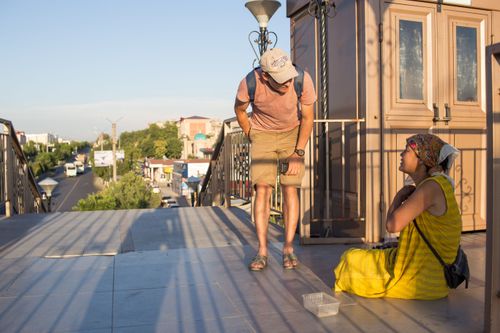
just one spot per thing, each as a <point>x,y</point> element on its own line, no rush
<point>80,167</point>
<point>70,169</point>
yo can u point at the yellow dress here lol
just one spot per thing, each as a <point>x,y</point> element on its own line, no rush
<point>410,271</point>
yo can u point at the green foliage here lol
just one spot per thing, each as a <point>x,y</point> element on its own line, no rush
<point>103,172</point>
<point>174,148</point>
<point>63,151</point>
<point>153,142</point>
<point>129,192</point>
<point>30,151</point>
<point>160,148</point>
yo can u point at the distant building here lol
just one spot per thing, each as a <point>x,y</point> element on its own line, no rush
<point>198,135</point>
<point>44,138</point>
<point>159,170</point>
<point>61,140</point>
<point>21,137</point>
<point>185,169</point>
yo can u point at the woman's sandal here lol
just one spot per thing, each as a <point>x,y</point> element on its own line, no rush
<point>258,263</point>
<point>290,261</point>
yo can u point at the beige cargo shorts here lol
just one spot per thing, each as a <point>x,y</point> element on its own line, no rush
<point>269,147</point>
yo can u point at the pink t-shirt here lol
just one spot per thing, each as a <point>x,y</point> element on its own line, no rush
<point>273,111</point>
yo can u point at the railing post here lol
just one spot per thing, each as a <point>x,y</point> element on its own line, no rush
<point>492,287</point>
<point>227,166</point>
<point>306,194</point>
<point>8,176</point>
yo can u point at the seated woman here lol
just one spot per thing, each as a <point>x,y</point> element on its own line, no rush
<point>411,270</point>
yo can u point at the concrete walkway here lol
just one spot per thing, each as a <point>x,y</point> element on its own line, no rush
<point>185,270</point>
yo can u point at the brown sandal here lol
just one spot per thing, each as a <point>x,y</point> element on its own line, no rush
<point>290,261</point>
<point>258,263</point>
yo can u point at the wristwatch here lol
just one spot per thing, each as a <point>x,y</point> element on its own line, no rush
<point>300,152</point>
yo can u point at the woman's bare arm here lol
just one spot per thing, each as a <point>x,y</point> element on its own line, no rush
<point>404,210</point>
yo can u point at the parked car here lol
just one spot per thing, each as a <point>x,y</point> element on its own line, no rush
<point>171,203</point>
<point>165,198</point>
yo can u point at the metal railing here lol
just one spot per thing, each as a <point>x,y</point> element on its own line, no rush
<point>19,193</point>
<point>331,196</point>
<point>228,176</point>
<point>333,163</point>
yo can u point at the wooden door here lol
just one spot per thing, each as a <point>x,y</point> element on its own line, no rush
<point>410,82</point>
<point>434,82</point>
<point>465,33</point>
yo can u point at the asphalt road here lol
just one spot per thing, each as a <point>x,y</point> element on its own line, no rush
<point>71,189</point>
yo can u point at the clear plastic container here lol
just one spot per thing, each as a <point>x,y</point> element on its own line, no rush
<point>321,304</point>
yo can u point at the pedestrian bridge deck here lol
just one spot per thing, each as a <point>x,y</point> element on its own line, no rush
<point>185,270</point>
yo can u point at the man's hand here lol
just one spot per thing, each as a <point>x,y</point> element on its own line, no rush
<point>294,164</point>
<point>403,194</point>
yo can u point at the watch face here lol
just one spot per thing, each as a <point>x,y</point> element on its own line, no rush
<point>300,152</point>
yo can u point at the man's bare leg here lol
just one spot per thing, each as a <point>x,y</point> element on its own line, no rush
<point>261,214</point>
<point>291,218</point>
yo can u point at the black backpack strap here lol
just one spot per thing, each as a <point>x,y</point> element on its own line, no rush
<point>298,82</point>
<point>251,84</point>
<point>429,244</point>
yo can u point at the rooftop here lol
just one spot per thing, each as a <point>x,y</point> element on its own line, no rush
<point>185,270</point>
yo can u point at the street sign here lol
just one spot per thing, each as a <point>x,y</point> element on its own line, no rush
<point>104,158</point>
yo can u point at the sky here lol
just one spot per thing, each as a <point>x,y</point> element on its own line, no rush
<point>72,67</point>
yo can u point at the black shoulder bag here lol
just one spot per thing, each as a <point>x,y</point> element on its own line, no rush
<point>454,273</point>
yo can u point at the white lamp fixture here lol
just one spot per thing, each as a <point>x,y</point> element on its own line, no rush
<point>48,185</point>
<point>263,10</point>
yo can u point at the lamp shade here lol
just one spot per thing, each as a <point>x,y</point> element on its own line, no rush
<point>263,10</point>
<point>48,185</point>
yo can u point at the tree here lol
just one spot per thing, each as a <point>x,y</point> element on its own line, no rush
<point>160,148</point>
<point>173,148</point>
<point>30,151</point>
<point>154,141</point>
<point>63,151</point>
<point>129,192</point>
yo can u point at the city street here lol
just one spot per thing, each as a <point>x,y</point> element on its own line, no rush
<point>71,189</point>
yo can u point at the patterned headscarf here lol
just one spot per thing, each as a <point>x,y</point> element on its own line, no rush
<point>427,148</point>
<point>433,151</point>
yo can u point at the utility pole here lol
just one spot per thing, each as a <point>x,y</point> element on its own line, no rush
<point>113,140</point>
<point>113,133</point>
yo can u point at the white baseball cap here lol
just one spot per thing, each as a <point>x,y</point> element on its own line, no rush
<point>277,63</point>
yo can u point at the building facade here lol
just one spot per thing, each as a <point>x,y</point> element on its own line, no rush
<point>43,138</point>
<point>394,68</point>
<point>159,171</point>
<point>198,135</point>
<point>182,170</point>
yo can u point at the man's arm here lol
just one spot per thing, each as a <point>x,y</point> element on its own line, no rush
<point>240,109</point>
<point>306,125</point>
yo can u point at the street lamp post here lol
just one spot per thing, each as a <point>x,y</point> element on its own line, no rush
<point>262,10</point>
<point>193,182</point>
<point>48,185</point>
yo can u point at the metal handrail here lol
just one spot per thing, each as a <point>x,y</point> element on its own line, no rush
<point>322,129</point>
<point>228,175</point>
<point>230,167</point>
<point>19,192</point>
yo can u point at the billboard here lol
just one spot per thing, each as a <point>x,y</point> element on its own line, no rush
<point>104,158</point>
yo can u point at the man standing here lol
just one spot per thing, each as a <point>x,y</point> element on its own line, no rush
<point>279,129</point>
